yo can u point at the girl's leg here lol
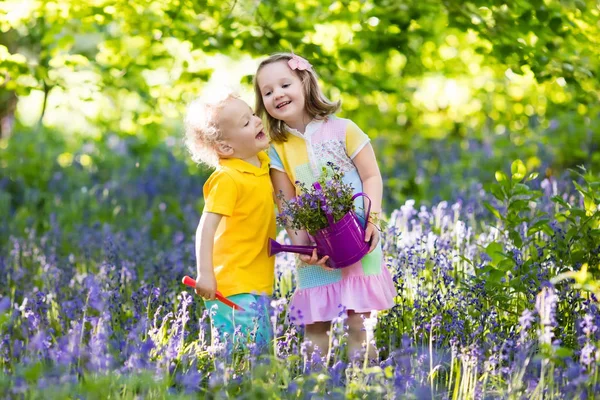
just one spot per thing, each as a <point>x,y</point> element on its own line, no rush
<point>316,333</point>
<point>357,335</point>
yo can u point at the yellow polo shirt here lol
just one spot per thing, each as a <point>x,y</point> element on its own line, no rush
<point>243,195</point>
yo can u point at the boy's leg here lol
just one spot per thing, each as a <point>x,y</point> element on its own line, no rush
<point>221,322</point>
<point>253,322</point>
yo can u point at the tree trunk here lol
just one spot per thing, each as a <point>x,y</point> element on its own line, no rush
<point>8,106</point>
<point>47,89</point>
<point>8,99</point>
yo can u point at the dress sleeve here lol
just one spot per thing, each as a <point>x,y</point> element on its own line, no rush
<point>275,159</point>
<point>220,194</point>
<point>356,139</point>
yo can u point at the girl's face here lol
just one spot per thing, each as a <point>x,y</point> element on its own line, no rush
<point>282,92</point>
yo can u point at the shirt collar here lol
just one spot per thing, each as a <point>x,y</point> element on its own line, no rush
<point>244,166</point>
<point>312,127</point>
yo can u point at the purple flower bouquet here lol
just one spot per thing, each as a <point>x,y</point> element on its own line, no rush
<point>326,212</point>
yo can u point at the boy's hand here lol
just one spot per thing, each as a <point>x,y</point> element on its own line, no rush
<point>206,287</point>
<point>314,260</point>
<point>372,235</point>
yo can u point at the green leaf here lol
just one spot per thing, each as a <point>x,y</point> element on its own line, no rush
<point>33,372</point>
<point>562,217</point>
<point>572,232</point>
<point>507,264</point>
<point>516,238</point>
<point>498,192</point>
<point>484,270</point>
<point>559,200</point>
<point>493,210</point>
<point>538,226</point>
<point>581,189</point>
<point>520,188</point>
<point>590,205</point>
<point>542,15</point>
<point>563,352</point>
<point>517,284</point>
<point>526,16</point>
<point>465,259</point>
<point>4,319</point>
<point>501,176</point>
<point>555,24</point>
<point>578,212</point>
<point>595,232</point>
<point>65,42</point>
<point>518,205</point>
<point>496,275</point>
<point>578,256</point>
<point>495,251</point>
<point>518,170</point>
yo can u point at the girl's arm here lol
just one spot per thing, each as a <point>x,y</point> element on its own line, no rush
<point>206,284</point>
<point>283,185</point>
<point>366,164</point>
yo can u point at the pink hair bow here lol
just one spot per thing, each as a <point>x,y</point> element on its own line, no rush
<point>297,62</point>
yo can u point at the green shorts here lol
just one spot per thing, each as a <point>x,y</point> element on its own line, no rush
<point>238,328</point>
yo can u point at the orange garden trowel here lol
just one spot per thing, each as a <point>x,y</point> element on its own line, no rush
<point>192,283</point>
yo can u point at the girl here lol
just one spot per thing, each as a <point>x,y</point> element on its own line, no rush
<point>306,136</point>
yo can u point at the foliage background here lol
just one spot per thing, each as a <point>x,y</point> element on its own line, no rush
<point>99,199</point>
<point>447,90</point>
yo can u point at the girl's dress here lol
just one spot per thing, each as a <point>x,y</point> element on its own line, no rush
<point>367,285</point>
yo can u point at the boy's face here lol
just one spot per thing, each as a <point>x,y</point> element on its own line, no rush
<point>282,91</point>
<point>241,130</point>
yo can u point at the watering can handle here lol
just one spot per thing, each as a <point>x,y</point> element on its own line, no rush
<point>368,209</point>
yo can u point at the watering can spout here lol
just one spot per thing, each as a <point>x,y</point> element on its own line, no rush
<point>275,248</point>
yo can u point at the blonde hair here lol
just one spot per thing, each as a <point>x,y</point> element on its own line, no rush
<point>315,103</point>
<point>201,126</point>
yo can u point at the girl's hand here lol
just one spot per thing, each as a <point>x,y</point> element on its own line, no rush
<point>372,235</point>
<point>206,287</point>
<point>314,260</point>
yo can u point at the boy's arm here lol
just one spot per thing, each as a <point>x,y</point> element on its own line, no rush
<point>206,284</point>
<point>283,185</point>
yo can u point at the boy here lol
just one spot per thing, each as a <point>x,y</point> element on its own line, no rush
<point>238,216</point>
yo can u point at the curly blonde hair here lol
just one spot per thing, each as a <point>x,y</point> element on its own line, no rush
<point>201,127</point>
<point>316,104</point>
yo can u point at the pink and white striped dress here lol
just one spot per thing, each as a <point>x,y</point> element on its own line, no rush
<point>365,286</point>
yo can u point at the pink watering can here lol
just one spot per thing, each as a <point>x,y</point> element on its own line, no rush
<point>343,241</point>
